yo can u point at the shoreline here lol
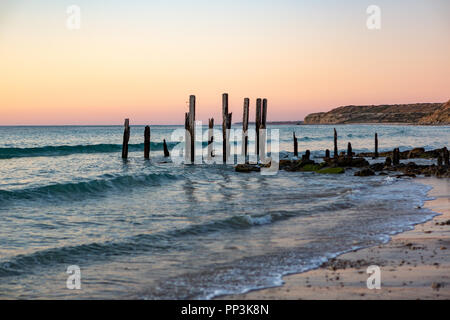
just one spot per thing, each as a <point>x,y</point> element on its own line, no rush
<point>414,264</point>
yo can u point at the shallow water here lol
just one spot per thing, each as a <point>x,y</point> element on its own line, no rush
<point>149,230</point>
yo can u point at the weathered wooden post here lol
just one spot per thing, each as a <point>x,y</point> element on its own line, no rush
<point>257,123</point>
<point>349,151</point>
<point>126,139</point>
<point>446,157</point>
<point>327,154</point>
<point>263,129</point>
<point>147,142</point>
<point>245,127</point>
<point>295,146</point>
<point>211,137</point>
<point>396,156</point>
<point>166,150</point>
<point>264,114</point>
<point>189,125</point>
<point>335,145</point>
<point>192,125</point>
<point>376,145</point>
<point>226,126</point>
<point>187,138</point>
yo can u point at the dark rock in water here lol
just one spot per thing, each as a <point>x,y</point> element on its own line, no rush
<point>388,162</point>
<point>412,169</point>
<point>359,162</point>
<point>298,165</point>
<point>436,286</point>
<point>295,165</point>
<point>286,163</point>
<point>415,153</point>
<point>412,165</point>
<point>442,172</point>
<point>247,168</point>
<point>327,153</point>
<point>337,165</point>
<point>365,173</point>
<point>344,161</point>
<point>334,170</point>
<point>382,174</point>
<point>446,157</point>
<point>377,166</point>
<point>349,150</point>
<point>406,175</point>
<point>306,156</point>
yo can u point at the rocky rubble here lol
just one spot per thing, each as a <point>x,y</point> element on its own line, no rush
<point>416,153</point>
<point>395,168</point>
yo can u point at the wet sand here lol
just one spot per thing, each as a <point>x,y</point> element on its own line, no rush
<point>414,264</point>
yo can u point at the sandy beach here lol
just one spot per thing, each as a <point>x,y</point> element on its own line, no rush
<point>414,264</point>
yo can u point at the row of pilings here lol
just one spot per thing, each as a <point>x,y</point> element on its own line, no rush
<point>260,126</point>
<point>189,125</point>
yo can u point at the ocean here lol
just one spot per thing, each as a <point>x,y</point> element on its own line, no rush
<point>141,229</point>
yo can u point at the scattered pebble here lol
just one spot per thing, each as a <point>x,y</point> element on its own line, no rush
<point>435,286</point>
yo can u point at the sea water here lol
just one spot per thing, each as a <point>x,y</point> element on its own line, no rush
<point>153,229</point>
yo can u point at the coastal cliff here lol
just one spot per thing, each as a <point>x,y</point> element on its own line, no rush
<point>419,113</point>
<point>440,116</point>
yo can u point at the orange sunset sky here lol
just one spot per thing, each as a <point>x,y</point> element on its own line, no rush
<point>142,59</point>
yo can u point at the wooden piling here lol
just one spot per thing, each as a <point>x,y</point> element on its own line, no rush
<point>263,129</point>
<point>245,127</point>
<point>226,126</point>
<point>258,123</point>
<point>189,125</point>
<point>187,139</point>
<point>211,137</point>
<point>446,157</point>
<point>396,156</point>
<point>336,154</point>
<point>376,145</point>
<point>228,135</point>
<point>126,139</point>
<point>147,142</point>
<point>439,160</point>
<point>264,114</point>
<point>349,150</point>
<point>192,125</point>
<point>306,156</point>
<point>166,150</point>
<point>295,146</point>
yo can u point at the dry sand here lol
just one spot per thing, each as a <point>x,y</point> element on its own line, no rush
<point>414,264</point>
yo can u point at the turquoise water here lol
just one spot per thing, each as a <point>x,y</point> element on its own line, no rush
<point>152,229</point>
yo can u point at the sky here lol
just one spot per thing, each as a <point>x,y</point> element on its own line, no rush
<point>142,59</point>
